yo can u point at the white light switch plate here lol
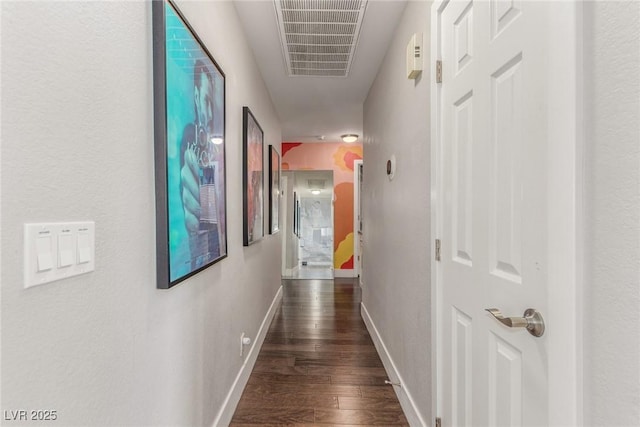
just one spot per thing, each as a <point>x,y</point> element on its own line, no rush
<point>55,251</point>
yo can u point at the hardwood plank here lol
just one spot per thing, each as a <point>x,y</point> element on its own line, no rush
<point>328,337</point>
<point>276,360</point>
<point>306,389</point>
<point>358,379</point>
<point>261,366</point>
<point>344,348</point>
<point>289,347</point>
<point>355,341</point>
<point>360,416</point>
<point>269,377</point>
<point>305,354</point>
<point>275,425</point>
<point>284,415</point>
<point>340,361</point>
<point>282,400</point>
<point>369,403</point>
<point>346,370</point>
<point>384,392</point>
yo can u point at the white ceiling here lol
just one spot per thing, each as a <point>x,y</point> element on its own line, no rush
<point>312,106</point>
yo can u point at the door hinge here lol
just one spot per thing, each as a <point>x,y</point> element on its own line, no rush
<point>438,71</point>
<point>437,249</point>
<point>438,422</point>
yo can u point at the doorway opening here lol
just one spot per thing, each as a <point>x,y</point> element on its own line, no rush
<point>311,209</point>
<point>357,218</point>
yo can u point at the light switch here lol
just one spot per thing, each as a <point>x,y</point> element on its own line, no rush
<point>56,251</point>
<point>44,248</point>
<point>84,247</point>
<point>65,249</point>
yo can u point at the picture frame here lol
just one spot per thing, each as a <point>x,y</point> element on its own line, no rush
<point>253,178</point>
<point>299,225</point>
<point>274,190</point>
<point>189,149</point>
<point>295,214</point>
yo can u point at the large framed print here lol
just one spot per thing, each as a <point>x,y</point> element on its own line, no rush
<point>253,177</point>
<point>189,128</point>
<point>274,190</point>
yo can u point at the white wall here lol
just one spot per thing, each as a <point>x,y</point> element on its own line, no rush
<point>107,348</point>
<point>396,288</point>
<point>612,213</point>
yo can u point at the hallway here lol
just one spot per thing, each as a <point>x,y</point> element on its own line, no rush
<point>500,156</point>
<point>318,364</point>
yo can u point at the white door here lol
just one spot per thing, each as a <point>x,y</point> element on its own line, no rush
<point>357,217</point>
<point>493,214</point>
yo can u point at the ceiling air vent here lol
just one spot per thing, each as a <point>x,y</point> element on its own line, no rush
<point>319,37</point>
<point>317,184</point>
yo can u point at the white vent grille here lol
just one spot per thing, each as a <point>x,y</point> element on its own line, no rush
<point>319,37</point>
<point>315,184</point>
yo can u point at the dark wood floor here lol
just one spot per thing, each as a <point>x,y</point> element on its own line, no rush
<point>318,365</point>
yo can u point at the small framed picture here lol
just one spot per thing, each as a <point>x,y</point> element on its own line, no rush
<point>274,190</point>
<point>253,177</point>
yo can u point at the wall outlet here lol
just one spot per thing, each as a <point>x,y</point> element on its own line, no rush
<point>244,340</point>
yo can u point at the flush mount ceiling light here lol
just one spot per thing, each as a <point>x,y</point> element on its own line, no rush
<point>349,137</point>
<point>315,191</point>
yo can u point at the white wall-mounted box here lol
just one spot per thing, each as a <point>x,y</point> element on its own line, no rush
<point>414,56</point>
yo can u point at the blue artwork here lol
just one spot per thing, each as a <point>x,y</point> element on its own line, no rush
<point>195,160</point>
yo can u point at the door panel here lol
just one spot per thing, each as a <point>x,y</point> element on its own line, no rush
<point>494,205</point>
<point>462,180</point>
<point>507,186</point>
<point>505,383</point>
<point>461,374</point>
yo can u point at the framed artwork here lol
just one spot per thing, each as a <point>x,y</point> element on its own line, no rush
<point>295,213</point>
<point>274,190</point>
<point>298,228</point>
<point>253,177</point>
<point>189,131</point>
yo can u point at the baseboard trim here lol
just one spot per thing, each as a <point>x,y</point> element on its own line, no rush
<point>404,395</point>
<point>233,397</point>
<point>344,273</point>
<point>290,272</point>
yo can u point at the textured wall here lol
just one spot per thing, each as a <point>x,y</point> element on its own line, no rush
<point>339,158</point>
<point>612,213</point>
<point>396,215</point>
<point>107,348</point>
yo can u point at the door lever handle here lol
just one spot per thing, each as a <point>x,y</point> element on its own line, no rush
<point>532,321</point>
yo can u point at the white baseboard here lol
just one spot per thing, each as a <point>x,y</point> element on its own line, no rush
<point>233,397</point>
<point>344,273</point>
<point>404,395</point>
<point>290,272</point>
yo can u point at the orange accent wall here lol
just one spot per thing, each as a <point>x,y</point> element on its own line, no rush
<point>338,157</point>
<point>343,209</point>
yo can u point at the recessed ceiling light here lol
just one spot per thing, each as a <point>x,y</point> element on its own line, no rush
<point>349,137</point>
<point>315,191</point>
